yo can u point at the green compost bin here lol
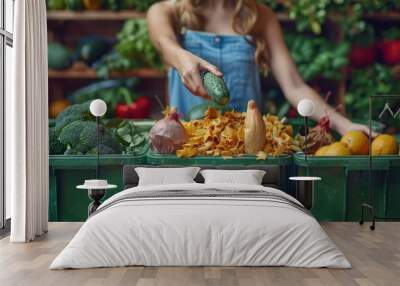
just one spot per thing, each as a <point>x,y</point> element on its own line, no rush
<point>284,161</point>
<point>345,185</point>
<point>66,203</point>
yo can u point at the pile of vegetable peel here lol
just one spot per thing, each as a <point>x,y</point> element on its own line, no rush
<point>223,135</point>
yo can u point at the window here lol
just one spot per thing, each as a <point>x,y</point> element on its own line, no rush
<point>6,43</point>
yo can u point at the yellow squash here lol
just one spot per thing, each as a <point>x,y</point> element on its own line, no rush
<point>254,130</point>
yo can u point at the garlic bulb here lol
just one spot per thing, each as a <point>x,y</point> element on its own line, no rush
<point>254,130</point>
<point>168,134</point>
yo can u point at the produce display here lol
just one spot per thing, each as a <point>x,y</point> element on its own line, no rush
<point>377,79</point>
<point>223,134</point>
<point>74,132</point>
<point>365,57</point>
<point>357,143</point>
<point>121,100</point>
<point>317,56</point>
<point>133,50</point>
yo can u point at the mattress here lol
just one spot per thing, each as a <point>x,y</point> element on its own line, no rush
<point>201,225</point>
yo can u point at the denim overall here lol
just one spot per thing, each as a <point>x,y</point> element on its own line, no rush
<point>234,57</point>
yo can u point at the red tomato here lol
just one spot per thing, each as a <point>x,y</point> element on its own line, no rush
<point>390,51</point>
<point>122,111</point>
<point>361,57</point>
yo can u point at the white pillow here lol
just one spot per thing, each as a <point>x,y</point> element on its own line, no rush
<point>166,176</point>
<point>248,177</point>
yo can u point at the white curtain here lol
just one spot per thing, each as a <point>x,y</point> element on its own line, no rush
<point>27,123</point>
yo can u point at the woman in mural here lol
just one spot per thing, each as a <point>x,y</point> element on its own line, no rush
<point>234,39</point>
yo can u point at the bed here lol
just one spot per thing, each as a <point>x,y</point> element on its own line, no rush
<point>197,224</point>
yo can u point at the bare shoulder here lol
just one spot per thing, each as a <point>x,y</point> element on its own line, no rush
<point>169,7</point>
<point>266,15</point>
<point>164,9</point>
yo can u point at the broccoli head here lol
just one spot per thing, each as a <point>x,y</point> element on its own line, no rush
<point>81,137</point>
<point>73,113</point>
<point>55,146</point>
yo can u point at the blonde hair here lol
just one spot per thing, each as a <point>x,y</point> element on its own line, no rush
<point>245,22</point>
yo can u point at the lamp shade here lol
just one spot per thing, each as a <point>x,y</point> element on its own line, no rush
<point>305,107</point>
<point>98,107</point>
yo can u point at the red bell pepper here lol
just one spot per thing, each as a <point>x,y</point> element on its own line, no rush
<point>390,52</point>
<point>122,111</point>
<point>139,109</point>
<point>145,104</point>
<point>361,57</point>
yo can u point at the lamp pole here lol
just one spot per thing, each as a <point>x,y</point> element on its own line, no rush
<point>98,108</point>
<point>98,145</point>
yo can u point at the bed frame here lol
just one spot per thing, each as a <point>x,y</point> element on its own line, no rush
<point>275,176</point>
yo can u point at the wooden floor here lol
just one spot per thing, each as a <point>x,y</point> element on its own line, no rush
<point>375,257</point>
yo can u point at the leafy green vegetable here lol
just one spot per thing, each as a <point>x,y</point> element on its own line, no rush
<point>132,136</point>
<point>133,50</point>
<point>377,80</point>
<point>317,57</point>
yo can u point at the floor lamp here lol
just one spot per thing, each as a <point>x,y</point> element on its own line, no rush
<point>305,184</point>
<point>96,188</point>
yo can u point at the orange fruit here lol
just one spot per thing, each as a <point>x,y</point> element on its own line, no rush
<point>337,149</point>
<point>385,144</point>
<point>356,142</point>
<point>57,106</point>
<point>321,151</point>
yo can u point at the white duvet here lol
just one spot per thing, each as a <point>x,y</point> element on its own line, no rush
<point>202,232</point>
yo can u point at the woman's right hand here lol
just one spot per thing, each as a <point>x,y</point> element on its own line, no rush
<point>189,67</point>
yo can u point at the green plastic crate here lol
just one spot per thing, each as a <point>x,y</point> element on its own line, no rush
<point>345,182</point>
<point>66,203</point>
<point>171,159</point>
<point>285,162</point>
